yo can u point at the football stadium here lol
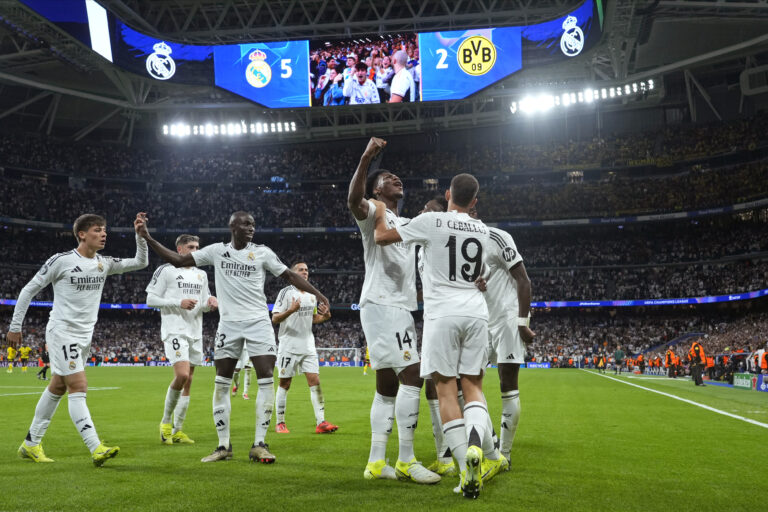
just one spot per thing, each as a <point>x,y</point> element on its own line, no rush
<point>383,254</point>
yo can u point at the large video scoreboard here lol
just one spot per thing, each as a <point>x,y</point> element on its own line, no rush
<point>449,65</point>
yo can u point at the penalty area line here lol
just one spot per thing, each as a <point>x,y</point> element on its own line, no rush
<point>697,404</point>
<point>40,392</point>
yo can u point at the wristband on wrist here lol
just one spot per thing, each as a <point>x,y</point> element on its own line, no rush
<point>523,321</point>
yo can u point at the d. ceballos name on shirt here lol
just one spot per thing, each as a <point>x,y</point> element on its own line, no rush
<point>87,283</point>
<point>460,225</point>
<point>232,268</point>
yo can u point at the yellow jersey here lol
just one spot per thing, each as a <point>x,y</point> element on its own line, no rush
<point>11,353</point>
<point>25,352</point>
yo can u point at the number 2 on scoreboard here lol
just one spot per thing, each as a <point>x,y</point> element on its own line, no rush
<point>443,53</point>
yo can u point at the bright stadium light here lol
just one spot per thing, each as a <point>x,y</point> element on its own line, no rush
<point>165,129</point>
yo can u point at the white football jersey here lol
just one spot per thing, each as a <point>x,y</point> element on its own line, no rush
<point>390,276</point>
<point>240,278</point>
<point>502,255</point>
<point>77,285</point>
<point>453,250</point>
<point>295,334</point>
<point>171,285</point>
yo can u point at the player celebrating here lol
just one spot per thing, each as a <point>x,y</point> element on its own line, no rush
<point>455,320</point>
<point>240,268</point>
<point>182,296</point>
<point>508,295</point>
<point>295,311</point>
<point>386,302</point>
<point>78,278</point>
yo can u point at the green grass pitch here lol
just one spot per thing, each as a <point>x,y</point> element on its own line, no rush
<point>584,443</point>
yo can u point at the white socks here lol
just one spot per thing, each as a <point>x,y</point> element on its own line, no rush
<point>318,403</point>
<point>246,380</point>
<point>443,452</point>
<point>171,398</point>
<point>81,417</point>
<point>477,423</point>
<point>180,413</point>
<point>455,434</point>
<point>510,416</point>
<point>280,402</point>
<point>44,411</point>
<point>264,403</point>
<point>222,408</point>
<point>407,415</point>
<point>382,416</point>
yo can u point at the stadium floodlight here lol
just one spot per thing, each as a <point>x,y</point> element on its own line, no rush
<point>272,127</point>
<point>650,84</point>
<point>258,128</point>
<point>293,126</point>
<point>513,107</point>
<point>165,129</point>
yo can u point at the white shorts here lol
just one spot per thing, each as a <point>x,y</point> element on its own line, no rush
<point>179,347</point>
<point>291,364</point>
<point>244,361</point>
<point>257,336</point>
<point>454,346</point>
<point>505,343</point>
<point>68,350</point>
<point>391,336</point>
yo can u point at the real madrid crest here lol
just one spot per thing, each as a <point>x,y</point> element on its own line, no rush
<point>572,40</point>
<point>258,73</point>
<point>251,256</point>
<point>72,365</point>
<point>178,353</point>
<point>101,267</point>
<point>160,65</point>
<point>407,355</point>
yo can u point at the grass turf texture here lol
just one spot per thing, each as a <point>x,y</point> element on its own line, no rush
<point>584,443</point>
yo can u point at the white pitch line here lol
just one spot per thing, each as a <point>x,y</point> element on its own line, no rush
<point>40,392</point>
<point>697,404</point>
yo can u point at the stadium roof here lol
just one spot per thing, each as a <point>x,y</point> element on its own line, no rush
<point>52,83</point>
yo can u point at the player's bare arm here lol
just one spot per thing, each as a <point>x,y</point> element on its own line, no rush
<point>169,256</point>
<point>323,314</point>
<point>382,235</point>
<point>302,284</point>
<point>278,318</point>
<point>356,197</point>
<point>520,275</point>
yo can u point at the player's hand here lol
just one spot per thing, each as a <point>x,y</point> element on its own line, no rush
<point>481,284</point>
<point>140,225</point>
<point>188,304</point>
<point>13,339</point>
<point>295,305</point>
<point>375,146</point>
<point>322,301</point>
<point>322,309</point>
<point>213,303</point>
<point>526,334</point>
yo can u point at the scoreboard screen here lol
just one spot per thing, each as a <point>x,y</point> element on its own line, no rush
<point>449,65</point>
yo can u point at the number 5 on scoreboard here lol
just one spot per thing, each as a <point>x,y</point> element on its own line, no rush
<point>285,68</point>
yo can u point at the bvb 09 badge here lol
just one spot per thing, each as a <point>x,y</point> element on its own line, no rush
<point>160,65</point>
<point>258,73</point>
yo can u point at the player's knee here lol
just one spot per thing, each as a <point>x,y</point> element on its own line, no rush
<point>285,384</point>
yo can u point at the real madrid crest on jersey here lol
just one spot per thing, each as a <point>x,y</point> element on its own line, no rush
<point>251,256</point>
<point>101,267</point>
<point>572,40</point>
<point>258,73</point>
<point>160,65</point>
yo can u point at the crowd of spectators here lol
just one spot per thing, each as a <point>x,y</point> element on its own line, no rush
<point>338,161</point>
<point>210,207</point>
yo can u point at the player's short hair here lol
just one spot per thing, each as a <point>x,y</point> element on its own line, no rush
<point>297,263</point>
<point>372,179</point>
<point>442,201</point>
<point>185,239</point>
<point>361,66</point>
<point>464,189</point>
<point>86,222</point>
<point>401,57</point>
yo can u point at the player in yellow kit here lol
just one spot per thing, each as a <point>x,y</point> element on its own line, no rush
<point>366,362</point>
<point>11,357</point>
<point>24,358</point>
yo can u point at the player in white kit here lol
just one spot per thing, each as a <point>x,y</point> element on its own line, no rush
<point>295,311</point>
<point>455,320</point>
<point>386,302</point>
<point>240,268</point>
<point>182,296</point>
<point>78,278</point>
<point>508,295</point>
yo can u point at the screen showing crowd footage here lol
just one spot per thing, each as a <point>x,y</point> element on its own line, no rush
<point>375,69</point>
